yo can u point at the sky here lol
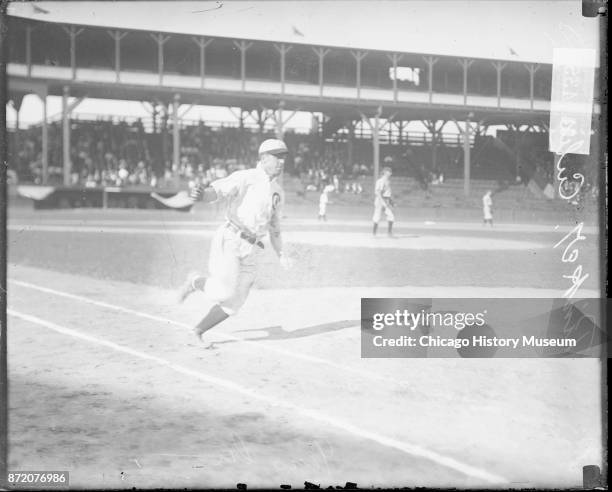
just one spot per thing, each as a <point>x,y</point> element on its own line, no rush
<point>518,30</point>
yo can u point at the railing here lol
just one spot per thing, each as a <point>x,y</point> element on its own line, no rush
<point>176,81</point>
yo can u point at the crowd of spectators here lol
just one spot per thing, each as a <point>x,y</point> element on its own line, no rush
<point>121,153</point>
<point>111,153</point>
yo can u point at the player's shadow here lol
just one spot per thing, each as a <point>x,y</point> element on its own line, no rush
<point>279,333</point>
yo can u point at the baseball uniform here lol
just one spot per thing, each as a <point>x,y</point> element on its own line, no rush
<point>253,209</point>
<point>382,193</point>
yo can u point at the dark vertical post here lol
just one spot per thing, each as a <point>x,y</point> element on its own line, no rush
<point>117,37</point>
<point>395,57</point>
<point>466,156</point>
<point>45,138</point>
<point>499,66</point>
<point>3,255</point>
<point>283,50</point>
<point>243,46</point>
<point>532,69</point>
<point>358,55</point>
<point>202,44</point>
<point>29,49</point>
<point>431,61</point>
<point>73,33</point>
<point>160,39</point>
<point>321,52</point>
<point>350,144</point>
<point>66,136</point>
<point>176,131</point>
<point>376,142</point>
<point>465,64</point>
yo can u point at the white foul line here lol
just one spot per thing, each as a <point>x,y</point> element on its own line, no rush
<point>407,448</point>
<point>159,319</point>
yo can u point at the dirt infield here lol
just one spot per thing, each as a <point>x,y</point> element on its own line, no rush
<point>107,381</point>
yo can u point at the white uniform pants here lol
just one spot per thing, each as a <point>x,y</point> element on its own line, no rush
<point>379,207</point>
<point>231,268</point>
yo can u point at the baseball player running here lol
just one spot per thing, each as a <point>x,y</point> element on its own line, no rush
<point>383,201</point>
<point>253,198</point>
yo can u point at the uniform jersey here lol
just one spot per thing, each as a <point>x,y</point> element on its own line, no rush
<point>487,205</point>
<point>323,199</point>
<point>383,187</point>
<point>253,201</point>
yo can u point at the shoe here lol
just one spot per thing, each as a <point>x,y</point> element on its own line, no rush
<point>188,287</point>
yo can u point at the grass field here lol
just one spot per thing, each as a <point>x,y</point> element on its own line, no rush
<point>107,381</point>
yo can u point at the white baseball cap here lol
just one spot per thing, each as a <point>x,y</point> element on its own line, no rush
<point>273,146</point>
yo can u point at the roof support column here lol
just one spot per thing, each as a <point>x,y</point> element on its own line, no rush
<point>45,135</point>
<point>532,68</point>
<point>358,55</point>
<point>243,46</point>
<point>465,64</point>
<point>202,44</point>
<point>431,61</point>
<point>375,128</point>
<point>400,132</point>
<point>117,37</point>
<point>280,121</point>
<point>176,131</point>
<point>395,58</point>
<point>466,133</point>
<point>321,52</point>
<point>436,133</point>
<point>283,49</point>
<point>467,164</point>
<point>160,39</point>
<point>262,116</point>
<point>73,32</point>
<point>67,108</point>
<point>66,137</point>
<point>350,143</point>
<point>28,49</point>
<point>499,66</point>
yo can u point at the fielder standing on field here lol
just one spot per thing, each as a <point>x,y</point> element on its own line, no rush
<point>383,201</point>
<point>487,208</point>
<point>253,198</point>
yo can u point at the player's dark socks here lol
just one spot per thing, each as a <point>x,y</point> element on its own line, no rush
<point>390,228</point>
<point>375,228</point>
<point>213,318</point>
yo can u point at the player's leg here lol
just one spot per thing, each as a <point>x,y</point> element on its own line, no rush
<point>376,217</point>
<point>390,219</point>
<point>224,268</point>
<point>245,278</point>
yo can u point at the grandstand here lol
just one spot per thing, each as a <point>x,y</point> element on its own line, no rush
<point>108,382</point>
<point>482,118</point>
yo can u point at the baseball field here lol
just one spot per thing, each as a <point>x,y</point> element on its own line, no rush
<point>108,382</point>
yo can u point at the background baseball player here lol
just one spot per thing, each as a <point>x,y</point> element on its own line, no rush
<point>324,201</point>
<point>253,199</point>
<point>383,201</point>
<point>487,208</point>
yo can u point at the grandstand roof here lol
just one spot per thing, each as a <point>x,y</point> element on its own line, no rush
<point>511,30</point>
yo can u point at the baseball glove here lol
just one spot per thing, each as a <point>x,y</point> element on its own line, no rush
<point>197,192</point>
